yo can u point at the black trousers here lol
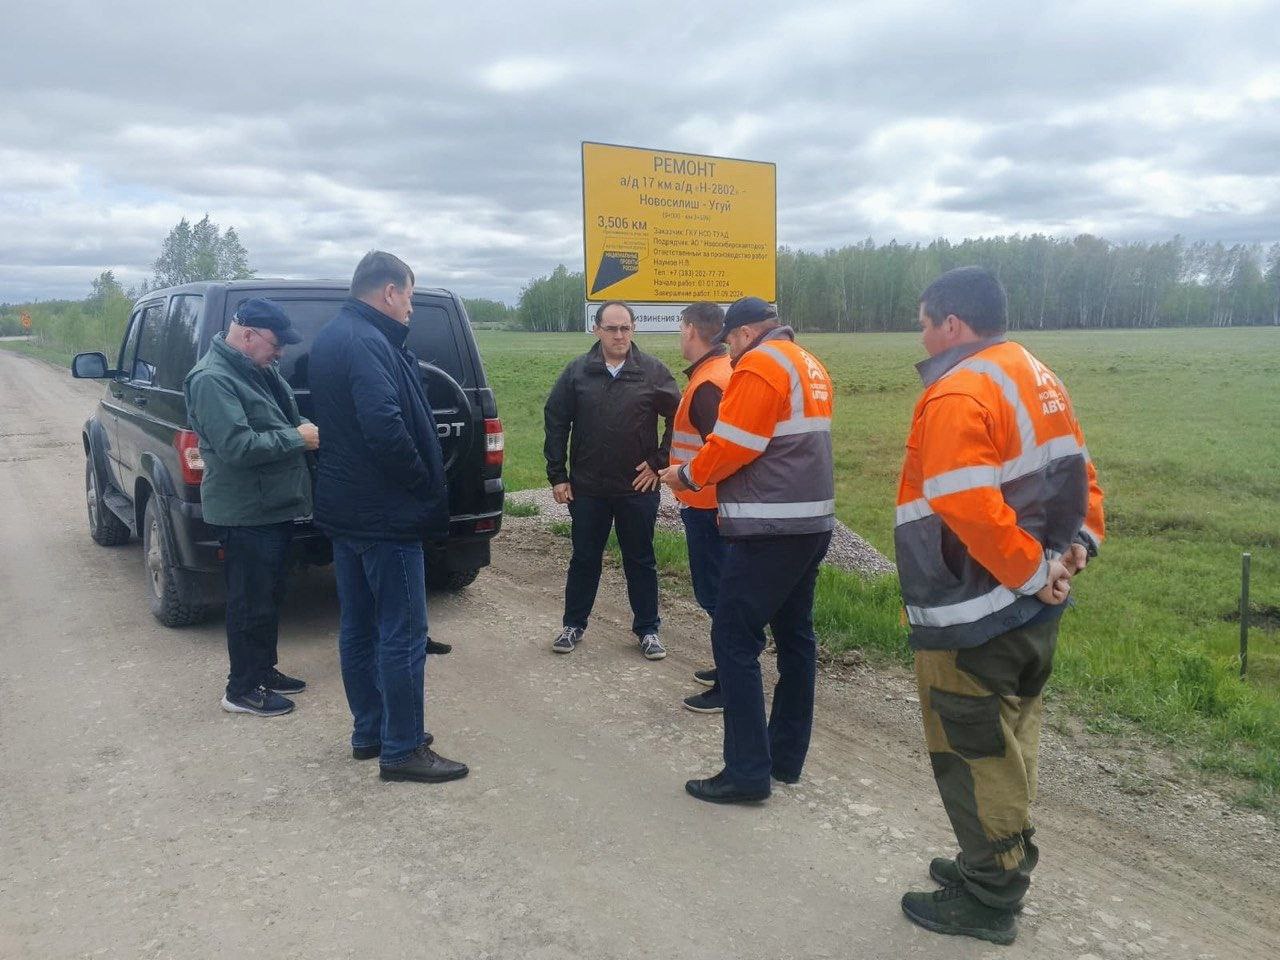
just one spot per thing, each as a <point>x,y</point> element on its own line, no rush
<point>767,581</point>
<point>256,561</point>
<point>633,516</point>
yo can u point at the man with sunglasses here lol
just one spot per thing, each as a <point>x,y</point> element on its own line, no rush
<point>604,411</point>
<point>255,483</point>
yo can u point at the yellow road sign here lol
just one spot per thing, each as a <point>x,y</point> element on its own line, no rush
<point>666,227</point>
<point>26,321</point>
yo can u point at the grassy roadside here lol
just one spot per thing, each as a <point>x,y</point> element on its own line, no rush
<point>1183,426</point>
<point>53,355</point>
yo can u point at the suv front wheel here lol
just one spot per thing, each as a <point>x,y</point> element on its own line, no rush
<point>170,595</point>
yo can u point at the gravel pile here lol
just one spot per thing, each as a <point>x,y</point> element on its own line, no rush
<point>848,551</point>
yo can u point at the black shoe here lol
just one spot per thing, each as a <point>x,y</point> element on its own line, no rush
<point>425,766</point>
<point>568,638</point>
<point>709,701</point>
<point>368,753</point>
<point>788,778</point>
<point>956,911</point>
<point>718,789</point>
<point>280,683</point>
<point>946,871</point>
<point>708,678</point>
<point>438,648</point>
<point>259,701</point>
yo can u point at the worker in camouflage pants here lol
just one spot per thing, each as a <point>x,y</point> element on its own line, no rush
<point>999,508</point>
<point>982,708</point>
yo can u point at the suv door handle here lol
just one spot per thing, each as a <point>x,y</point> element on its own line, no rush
<point>139,401</point>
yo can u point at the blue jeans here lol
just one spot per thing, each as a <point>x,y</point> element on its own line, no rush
<point>382,642</point>
<point>706,554</point>
<point>633,516</point>
<point>255,561</point>
<point>767,580</point>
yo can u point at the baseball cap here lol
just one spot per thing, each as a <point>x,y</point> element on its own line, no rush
<point>264,314</point>
<point>744,311</point>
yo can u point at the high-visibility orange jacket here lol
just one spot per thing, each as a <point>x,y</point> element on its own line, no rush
<point>686,440</point>
<point>770,453</point>
<point>996,482</point>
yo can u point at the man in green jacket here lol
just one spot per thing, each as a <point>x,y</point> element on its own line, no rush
<point>256,482</point>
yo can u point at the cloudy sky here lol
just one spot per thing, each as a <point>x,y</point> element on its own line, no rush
<point>449,133</point>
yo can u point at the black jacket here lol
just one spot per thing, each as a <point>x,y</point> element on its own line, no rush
<point>613,421</point>
<point>381,474</point>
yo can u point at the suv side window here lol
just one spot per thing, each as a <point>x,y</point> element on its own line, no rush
<point>148,358</point>
<point>129,345</point>
<point>432,338</point>
<point>177,353</point>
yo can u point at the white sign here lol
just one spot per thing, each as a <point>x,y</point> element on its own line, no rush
<point>650,317</point>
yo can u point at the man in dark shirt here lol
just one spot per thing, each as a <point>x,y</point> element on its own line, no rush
<point>610,399</point>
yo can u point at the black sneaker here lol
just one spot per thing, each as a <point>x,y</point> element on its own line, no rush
<point>955,911</point>
<point>280,683</point>
<point>708,678</point>
<point>569,638</point>
<point>425,766</point>
<point>652,647</point>
<point>945,871</point>
<point>368,753</point>
<point>708,701</point>
<point>259,701</point>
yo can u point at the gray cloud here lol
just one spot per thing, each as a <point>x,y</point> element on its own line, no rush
<point>452,136</point>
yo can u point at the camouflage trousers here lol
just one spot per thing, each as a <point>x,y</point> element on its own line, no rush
<point>982,709</point>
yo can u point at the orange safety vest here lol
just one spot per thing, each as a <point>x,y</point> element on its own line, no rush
<point>996,482</point>
<point>685,439</point>
<point>771,456</point>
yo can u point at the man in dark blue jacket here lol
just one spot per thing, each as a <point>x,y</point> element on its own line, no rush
<point>380,492</point>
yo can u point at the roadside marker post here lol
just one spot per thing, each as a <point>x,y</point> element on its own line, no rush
<point>1244,614</point>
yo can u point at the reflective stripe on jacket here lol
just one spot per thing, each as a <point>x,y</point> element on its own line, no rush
<point>770,452</point>
<point>686,442</point>
<point>996,481</point>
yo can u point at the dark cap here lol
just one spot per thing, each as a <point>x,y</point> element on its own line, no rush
<point>744,311</point>
<point>263,314</point>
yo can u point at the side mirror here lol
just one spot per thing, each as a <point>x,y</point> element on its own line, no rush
<point>90,366</point>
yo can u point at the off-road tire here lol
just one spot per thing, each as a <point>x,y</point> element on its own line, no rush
<point>169,593</point>
<point>452,579</point>
<point>105,527</point>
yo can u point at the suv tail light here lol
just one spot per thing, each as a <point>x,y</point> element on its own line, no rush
<point>494,442</point>
<point>188,446</point>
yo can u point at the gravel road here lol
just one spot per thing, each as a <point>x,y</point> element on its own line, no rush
<point>139,821</point>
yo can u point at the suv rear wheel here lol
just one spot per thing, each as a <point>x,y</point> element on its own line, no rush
<point>451,579</point>
<point>104,526</point>
<point>170,596</point>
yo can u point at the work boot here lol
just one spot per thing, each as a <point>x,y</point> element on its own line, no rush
<point>954,910</point>
<point>946,871</point>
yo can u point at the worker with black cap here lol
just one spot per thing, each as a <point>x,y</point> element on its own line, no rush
<point>770,458</point>
<point>253,443</point>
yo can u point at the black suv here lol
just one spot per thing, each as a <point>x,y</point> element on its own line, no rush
<point>142,461</point>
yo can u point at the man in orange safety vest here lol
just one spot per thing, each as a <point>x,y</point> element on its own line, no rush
<point>708,372</point>
<point>770,457</point>
<point>998,508</point>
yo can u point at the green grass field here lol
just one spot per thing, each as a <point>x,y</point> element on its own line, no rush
<point>1185,428</point>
